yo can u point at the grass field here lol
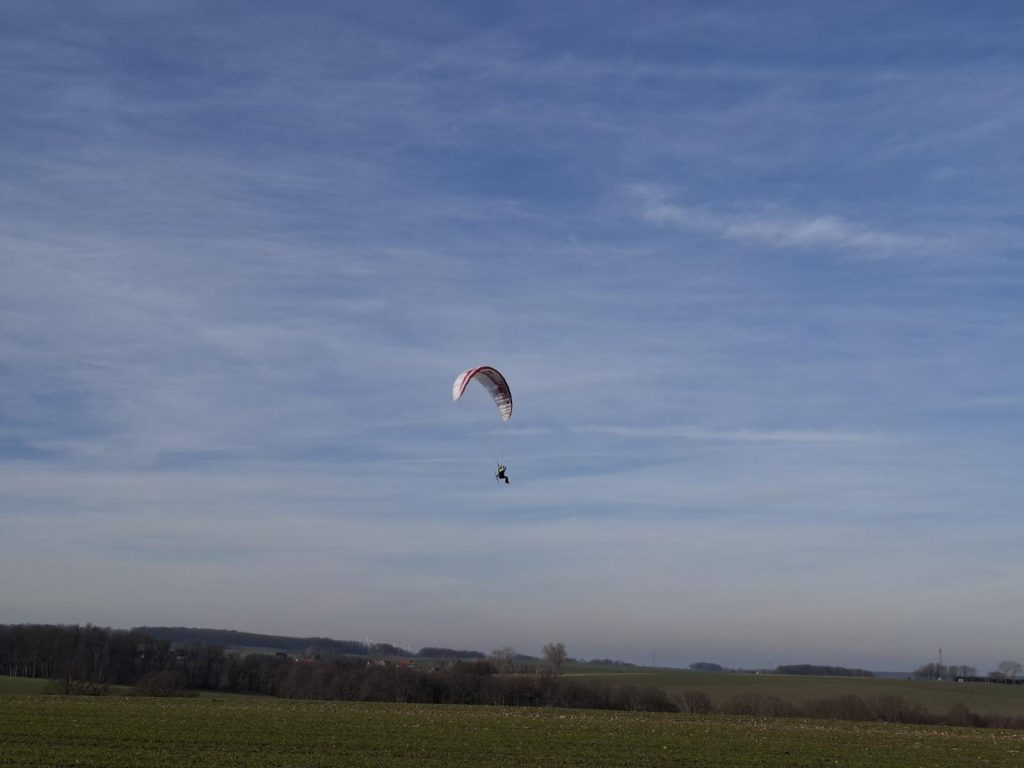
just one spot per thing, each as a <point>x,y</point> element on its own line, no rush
<point>936,697</point>
<point>111,732</point>
<point>22,685</point>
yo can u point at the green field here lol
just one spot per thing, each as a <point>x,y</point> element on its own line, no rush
<point>110,732</point>
<point>224,730</point>
<point>22,685</point>
<point>936,697</point>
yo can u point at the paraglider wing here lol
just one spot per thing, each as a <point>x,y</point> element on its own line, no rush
<point>492,381</point>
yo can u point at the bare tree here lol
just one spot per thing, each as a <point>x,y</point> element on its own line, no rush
<point>1009,669</point>
<point>963,670</point>
<point>504,658</point>
<point>555,655</point>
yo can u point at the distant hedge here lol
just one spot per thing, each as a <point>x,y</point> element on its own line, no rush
<point>89,660</point>
<point>816,669</point>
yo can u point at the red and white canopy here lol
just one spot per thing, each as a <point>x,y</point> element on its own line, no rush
<point>492,381</point>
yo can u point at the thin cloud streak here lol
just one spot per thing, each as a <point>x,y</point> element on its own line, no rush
<point>738,435</point>
<point>781,231</point>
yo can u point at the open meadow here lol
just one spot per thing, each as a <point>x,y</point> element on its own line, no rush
<point>114,731</point>
<point>936,697</point>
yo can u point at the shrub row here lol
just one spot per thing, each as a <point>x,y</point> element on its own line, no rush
<point>88,660</point>
<point>892,709</point>
<point>478,683</point>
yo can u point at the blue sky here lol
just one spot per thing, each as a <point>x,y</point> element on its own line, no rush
<point>754,275</point>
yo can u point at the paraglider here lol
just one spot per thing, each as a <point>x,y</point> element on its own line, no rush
<point>494,382</point>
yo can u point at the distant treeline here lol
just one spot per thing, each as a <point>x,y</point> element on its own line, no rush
<point>788,669</point>
<point>82,654</point>
<point>92,659</point>
<point>301,646</point>
<point>478,683</point>
<point>448,653</point>
<point>816,669</point>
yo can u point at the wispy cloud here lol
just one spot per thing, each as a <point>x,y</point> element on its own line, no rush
<point>780,230</point>
<point>739,435</point>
